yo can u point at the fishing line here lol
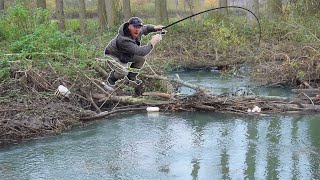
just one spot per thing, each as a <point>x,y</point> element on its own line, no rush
<point>213,9</point>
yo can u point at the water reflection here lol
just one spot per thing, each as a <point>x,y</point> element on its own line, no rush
<point>221,84</point>
<point>173,146</point>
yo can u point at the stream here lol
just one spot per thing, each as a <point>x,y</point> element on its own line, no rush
<point>184,145</point>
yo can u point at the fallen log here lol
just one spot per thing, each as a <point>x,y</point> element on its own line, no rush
<point>157,94</point>
<point>129,100</point>
<point>310,92</point>
<point>107,113</point>
<point>294,107</point>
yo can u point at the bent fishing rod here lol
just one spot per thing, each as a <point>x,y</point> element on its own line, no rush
<point>213,9</point>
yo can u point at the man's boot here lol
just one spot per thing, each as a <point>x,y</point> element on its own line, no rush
<point>112,79</point>
<point>133,77</point>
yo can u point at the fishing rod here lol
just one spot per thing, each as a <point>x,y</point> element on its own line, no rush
<point>213,9</point>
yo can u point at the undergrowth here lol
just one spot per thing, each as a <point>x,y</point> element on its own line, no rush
<point>215,40</point>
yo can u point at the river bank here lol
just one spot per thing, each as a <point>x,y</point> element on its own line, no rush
<point>36,60</point>
<point>27,113</point>
<point>30,106</point>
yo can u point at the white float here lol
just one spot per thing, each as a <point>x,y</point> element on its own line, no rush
<point>152,109</point>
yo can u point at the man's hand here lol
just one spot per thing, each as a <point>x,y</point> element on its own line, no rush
<point>156,38</point>
<point>158,27</point>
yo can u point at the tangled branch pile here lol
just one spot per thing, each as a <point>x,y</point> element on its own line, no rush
<point>30,108</point>
<point>283,70</point>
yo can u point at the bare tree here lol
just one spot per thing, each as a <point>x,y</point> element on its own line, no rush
<point>102,14</point>
<point>1,5</point>
<point>223,3</point>
<point>127,9</point>
<point>60,15</point>
<point>111,12</point>
<point>161,11</point>
<point>27,3</point>
<point>252,5</point>
<point>41,4</point>
<point>256,7</point>
<point>197,6</point>
<point>249,5</point>
<point>82,16</point>
<point>275,7</point>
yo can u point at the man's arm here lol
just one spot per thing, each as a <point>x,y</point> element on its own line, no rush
<point>133,48</point>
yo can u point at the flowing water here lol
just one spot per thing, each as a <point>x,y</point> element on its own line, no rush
<point>175,146</point>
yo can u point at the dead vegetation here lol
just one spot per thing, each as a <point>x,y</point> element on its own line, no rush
<point>301,69</point>
<point>31,107</point>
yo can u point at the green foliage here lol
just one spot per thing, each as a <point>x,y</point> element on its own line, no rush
<point>19,21</point>
<point>4,69</point>
<point>128,89</point>
<point>301,75</point>
<point>222,33</point>
<point>31,32</point>
<point>43,39</point>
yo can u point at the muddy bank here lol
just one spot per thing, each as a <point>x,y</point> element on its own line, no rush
<point>25,115</point>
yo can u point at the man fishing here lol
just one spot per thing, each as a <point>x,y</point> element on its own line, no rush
<point>126,48</point>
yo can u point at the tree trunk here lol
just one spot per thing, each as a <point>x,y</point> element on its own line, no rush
<point>197,5</point>
<point>82,16</point>
<point>161,11</point>
<point>157,4</point>
<point>256,7</point>
<point>60,15</point>
<point>111,12</point>
<point>164,11</point>
<point>127,10</point>
<point>252,5</point>
<point>41,4</point>
<point>275,7</point>
<point>102,14</point>
<point>1,6</point>
<point>198,8</point>
<point>27,4</point>
<point>223,3</point>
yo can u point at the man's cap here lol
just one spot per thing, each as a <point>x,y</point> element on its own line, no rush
<point>135,21</point>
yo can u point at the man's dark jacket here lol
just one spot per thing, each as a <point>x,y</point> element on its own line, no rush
<point>124,46</point>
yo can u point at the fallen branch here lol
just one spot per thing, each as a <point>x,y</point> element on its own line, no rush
<point>132,100</point>
<point>157,94</point>
<point>129,100</point>
<point>107,113</point>
<point>309,92</point>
